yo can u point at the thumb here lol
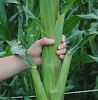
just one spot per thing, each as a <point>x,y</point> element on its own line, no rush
<point>45,41</point>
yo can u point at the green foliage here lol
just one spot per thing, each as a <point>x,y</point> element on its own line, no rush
<point>20,20</point>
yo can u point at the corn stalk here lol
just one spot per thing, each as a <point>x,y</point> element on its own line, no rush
<point>52,25</point>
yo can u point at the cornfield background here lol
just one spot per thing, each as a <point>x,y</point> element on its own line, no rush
<point>19,22</point>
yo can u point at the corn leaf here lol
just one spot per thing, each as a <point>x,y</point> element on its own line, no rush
<point>70,24</point>
<point>20,27</point>
<point>84,58</point>
<point>66,6</point>
<point>23,82</point>
<point>13,17</point>
<point>11,1</point>
<point>27,12</point>
<point>89,16</point>
<point>5,32</point>
<point>3,13</point>
<point>21,51</point>
<point>3,94</point>
<point>32,16</point>
<point>81,43</point>
<point>18,49</point>
<point>30,4</point>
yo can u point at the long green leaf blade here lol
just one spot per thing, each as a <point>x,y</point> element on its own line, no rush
<point>66,6</point>
<point>70,24</point>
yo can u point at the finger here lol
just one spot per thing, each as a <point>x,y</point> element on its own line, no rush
<point>45,41</point>
<point>61,57</point>
<point>61,52</point>
<point>63,38</point>
<point>62,46</point>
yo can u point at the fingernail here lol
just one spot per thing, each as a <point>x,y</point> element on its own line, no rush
<point>51,41</point>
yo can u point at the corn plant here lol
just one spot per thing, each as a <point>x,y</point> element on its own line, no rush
<point>51,19</point>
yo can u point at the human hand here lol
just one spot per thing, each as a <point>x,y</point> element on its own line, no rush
<point>36,49</point>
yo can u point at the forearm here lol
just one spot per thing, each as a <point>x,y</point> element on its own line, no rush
<point>10,66</point>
